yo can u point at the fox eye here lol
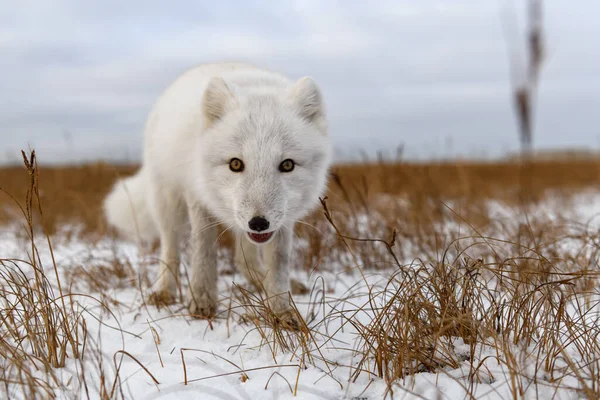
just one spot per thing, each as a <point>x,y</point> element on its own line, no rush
<point>287,165</point>
<point>236,165</point>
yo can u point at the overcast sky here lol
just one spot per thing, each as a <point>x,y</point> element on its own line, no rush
<point>77,78</point>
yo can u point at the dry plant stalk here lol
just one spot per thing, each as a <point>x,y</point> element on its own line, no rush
<point>525,85</point>
<point>39,328</point>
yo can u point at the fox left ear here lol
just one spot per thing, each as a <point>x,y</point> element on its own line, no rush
<point>218,97</point>
<point>306,97</point>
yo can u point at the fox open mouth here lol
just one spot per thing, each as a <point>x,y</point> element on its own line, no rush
<point>260,237</point>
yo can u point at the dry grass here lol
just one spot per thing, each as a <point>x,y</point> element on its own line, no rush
<point>69,194</point>
<point>520,299</point>
<point>462,285</point>
<point>42,326</point>
<point>75,194</point>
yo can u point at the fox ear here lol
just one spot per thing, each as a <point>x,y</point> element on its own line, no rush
<point>306,97</point>
<point>218,96</point>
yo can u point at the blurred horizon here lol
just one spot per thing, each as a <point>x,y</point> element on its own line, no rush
<point>430,77</point>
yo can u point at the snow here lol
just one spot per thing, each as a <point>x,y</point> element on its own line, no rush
<point>230,359</point>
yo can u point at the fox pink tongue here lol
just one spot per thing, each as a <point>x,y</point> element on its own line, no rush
<point>260,237</point>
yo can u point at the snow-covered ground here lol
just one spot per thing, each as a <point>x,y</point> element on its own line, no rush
<point>229,358</point>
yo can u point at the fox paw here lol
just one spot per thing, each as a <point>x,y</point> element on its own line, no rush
<point>289,319</point>
<point>161,298</point>
<point>297,287</point>
<point>201,305</point>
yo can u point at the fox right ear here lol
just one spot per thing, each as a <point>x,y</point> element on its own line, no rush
<point>218,96</point>
<point>306,96</point>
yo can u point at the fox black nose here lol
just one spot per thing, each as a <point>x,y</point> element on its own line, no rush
<point>258,224</point>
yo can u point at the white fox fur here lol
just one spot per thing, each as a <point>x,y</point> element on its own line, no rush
<point>210,115</point>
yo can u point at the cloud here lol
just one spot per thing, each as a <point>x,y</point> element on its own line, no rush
<point>392,72</point>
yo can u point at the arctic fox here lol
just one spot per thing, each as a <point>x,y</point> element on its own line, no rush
<point>232,144</point>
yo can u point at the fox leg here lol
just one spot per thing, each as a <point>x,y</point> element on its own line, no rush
<point>202,295</point>
<point>248,262</point>
<point>277,255</point>
<point>168,213</point>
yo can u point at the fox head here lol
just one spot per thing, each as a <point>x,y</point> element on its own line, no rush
<point>264,153</point>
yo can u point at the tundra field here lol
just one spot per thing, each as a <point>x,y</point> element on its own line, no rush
<point>445,280</point>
